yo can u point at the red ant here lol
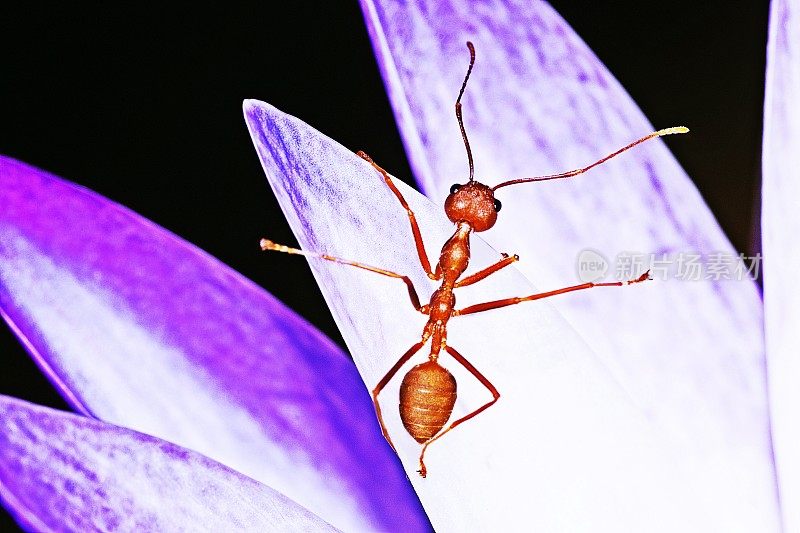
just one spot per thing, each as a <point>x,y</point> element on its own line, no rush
<point>428,391</point>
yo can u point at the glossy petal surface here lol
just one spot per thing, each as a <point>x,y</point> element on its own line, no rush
<point>565,448</point>
<point>781,227</point>
<point>141,329</point>
<point>64,472</point>
<point>689,353</point>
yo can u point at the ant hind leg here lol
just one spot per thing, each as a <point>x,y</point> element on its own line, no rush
<point>485,382</point>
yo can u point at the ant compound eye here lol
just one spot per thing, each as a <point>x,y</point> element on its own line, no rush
<point>497,205</point>
<point>454,188</point>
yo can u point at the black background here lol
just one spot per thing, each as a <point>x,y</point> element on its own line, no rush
<point>143,105</point>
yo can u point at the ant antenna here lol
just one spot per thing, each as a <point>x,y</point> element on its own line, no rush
<point>458,110</point>
<point>571,173</point>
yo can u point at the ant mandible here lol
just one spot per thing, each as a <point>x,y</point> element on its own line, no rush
<point>428,391</point>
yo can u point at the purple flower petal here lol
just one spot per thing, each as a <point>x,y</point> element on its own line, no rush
<point>689,353</point>
<point>781,226</point>
<point>564,449</point>
<point>141,329</point>
<point>63,472</point>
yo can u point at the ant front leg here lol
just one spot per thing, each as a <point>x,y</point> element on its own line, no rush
<point>423,256</point>
<point>486,272</point>
<point>479,308</point>
<point>386,379</point>
<point>485,382</point>
<point>267,244</point>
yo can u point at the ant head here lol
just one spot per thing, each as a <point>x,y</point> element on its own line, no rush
<point>473,203</point>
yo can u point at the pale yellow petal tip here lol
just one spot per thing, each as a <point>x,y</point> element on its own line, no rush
<point>266,244</point>
<point>673,131</point>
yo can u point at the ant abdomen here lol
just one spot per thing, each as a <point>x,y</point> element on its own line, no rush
<point>427,396</point>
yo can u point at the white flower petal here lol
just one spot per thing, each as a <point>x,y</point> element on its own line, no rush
<point>781,228</point>
<point>64,472</point>
<point>689,353</point>
<point>139,328</point>
<point>565,448</point>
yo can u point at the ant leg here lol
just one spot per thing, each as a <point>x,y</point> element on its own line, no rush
<point>386,379</point>
<point>423,256</point>
<point>486,272</point>
<point>267,244</point>
<point>485,382</point>
<point>479,308</point>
